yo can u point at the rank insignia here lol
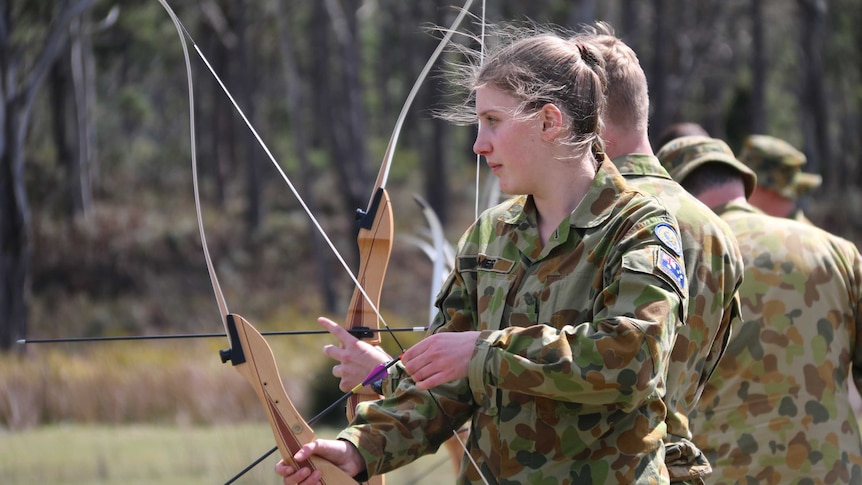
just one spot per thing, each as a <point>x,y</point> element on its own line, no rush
<point>669,265</point>
<point>668,236</point>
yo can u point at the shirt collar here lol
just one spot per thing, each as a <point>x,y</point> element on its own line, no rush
<point>736,205</point>
<point>596,206</point>
<point>640,164</point>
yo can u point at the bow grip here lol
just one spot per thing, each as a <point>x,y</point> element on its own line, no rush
<point>252,357</point>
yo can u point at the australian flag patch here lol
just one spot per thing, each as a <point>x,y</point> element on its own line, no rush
<point>669,265</point>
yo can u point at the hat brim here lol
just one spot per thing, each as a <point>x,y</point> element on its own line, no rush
<point>805,182</point>
<point>749,178</point>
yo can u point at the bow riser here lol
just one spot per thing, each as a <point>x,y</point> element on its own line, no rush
<point>376,233</point>
<point>252,357</point>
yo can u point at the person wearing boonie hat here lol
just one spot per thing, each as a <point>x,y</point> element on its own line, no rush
<point>781,186</point>
<point>778,407</point>
<point>780,179</point>
<point>682,156</point>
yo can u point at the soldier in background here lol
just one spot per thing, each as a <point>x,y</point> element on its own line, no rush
<point>780,179</point>
<point>713,262</point>
<point>777,410</point>
<point>781,187</point>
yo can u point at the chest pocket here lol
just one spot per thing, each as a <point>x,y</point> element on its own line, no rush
<point>493,279</point>
<point>566,299</point>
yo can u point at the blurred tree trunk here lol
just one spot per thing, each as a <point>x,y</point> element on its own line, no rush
<point>631,27</point>
<point>658,79</point>
<point>245,80</point>
<point>84,87</point>
<point>60,93</point>
<point>20,82</point>
<point>390,16</point>
<point>416,44</point>
<point>812,21</point>
<point>851,125</point>
<point>713,105</point>
<point>218,149</point>
<point>321,76</point>
<point>294,95</point>
<point>71,92</point>
<point>434,157</point>
<point>757,106</point>
<point>715,59</point>
<point>344,113</point>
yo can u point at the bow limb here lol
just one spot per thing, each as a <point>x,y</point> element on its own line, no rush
<point>249,352</point>
<point>376,222</point>
<point>376,225</point>
<point>376,234</point>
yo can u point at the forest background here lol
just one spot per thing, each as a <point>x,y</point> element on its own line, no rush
<point>97,220</point>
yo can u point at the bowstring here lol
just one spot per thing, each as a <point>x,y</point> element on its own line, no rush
<point>286,179</point>
<point>479,157</point>
<point>219,295</point>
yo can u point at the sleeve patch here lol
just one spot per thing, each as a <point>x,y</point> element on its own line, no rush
<point>669,265</point>
<point>669,237</point>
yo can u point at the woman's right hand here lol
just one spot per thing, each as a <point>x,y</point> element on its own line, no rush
<point>338,452</point>
<point>356,357</point>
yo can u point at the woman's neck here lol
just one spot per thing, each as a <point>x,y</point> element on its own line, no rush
<point>561,196</point>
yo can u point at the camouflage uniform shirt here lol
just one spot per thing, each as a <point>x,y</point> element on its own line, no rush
<point>714,271</point>
<point>777,411</point>
<point>566,379</point>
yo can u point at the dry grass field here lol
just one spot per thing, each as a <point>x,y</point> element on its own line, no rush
<point>151,413</point>
<point>161,455</point>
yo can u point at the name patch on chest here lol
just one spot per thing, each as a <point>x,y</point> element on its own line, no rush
<point>484,263</point>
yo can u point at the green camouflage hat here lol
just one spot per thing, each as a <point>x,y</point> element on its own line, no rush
<point>682,155</point>
<point>776,163</point>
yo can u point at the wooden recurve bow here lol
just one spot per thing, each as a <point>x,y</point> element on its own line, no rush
<point>248,351</point>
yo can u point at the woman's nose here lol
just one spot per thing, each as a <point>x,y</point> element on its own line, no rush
<point>480,146</point>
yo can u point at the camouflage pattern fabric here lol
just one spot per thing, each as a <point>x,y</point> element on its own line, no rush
<point>566,380</point>
<point>776,163</point>
<point>777,411</point>
<point>714,271</point>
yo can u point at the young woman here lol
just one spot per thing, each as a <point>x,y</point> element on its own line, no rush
<point>554,329</point>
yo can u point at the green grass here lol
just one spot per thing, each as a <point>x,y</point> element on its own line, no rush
<point>161,455</point>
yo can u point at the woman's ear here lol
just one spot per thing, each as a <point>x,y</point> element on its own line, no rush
<point>552,121</point>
